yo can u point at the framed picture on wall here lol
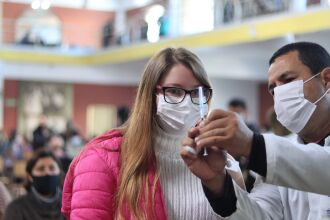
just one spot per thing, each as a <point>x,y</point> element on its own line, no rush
<point>53,100</point>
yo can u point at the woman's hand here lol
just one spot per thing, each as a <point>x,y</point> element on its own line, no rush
<point>209,168</point>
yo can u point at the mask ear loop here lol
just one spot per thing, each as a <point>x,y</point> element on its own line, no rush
<point>312,77</point>
<point>322,96</point>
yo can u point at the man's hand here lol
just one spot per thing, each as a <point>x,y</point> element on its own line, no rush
<point>225,130</point>
<point>210,168</point>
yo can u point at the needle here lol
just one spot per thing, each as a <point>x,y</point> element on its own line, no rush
<point>202,113</point>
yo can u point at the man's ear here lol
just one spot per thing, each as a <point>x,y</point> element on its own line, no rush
<point>325,76</point>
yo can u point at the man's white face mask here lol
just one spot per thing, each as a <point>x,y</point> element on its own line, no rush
<point>178,118</point>
<point>293,110</point>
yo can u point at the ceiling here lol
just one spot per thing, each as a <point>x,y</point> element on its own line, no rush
<point>104,5</point>
<point>246,61</point>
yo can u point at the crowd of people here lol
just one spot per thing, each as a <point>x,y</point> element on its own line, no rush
<point>32,169</point>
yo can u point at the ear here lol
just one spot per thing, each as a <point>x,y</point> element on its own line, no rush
<point>325,76</point>
<point>29,177</point>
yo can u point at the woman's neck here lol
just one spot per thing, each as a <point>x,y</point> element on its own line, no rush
<point>50,198</point>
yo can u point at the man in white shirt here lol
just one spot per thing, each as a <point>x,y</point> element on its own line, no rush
<point>299,80</point>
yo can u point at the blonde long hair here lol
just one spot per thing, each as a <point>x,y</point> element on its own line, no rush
<point>137,154</point>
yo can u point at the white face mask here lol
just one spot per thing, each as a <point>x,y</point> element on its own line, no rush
<point>178,118</point>
<point>291,107</point>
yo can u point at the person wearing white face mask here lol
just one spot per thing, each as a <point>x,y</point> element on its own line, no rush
<point>177,114</point>
<point>292,108</point>
<point>299,79</point>
<point>135,171</point>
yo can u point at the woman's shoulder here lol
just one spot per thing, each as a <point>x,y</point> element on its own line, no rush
<point>15,209</point>
<point>93,172</point>
<point>109,141</point>
<point>19,202</point>
<point>99,154</point>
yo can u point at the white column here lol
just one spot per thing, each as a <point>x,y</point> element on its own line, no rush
<point>298,5</point>
<point>1,94</point>
<point>120,22</point>
<point>1,22</point>
<point>218,13</point>
<point>325,3</point>
<point>174,11</point>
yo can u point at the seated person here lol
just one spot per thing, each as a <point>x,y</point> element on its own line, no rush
<point>43,200</point>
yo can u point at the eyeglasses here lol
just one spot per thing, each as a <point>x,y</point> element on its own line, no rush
<point>175,95</point>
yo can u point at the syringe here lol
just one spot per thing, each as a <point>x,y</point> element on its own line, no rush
<point>202,112</point>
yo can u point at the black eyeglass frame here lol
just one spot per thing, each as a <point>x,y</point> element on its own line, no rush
<point>185,94</point>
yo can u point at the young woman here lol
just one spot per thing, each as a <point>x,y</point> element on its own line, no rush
<point>136,172</point>
<point>43,200</point>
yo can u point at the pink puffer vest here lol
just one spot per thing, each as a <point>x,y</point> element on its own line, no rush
<point>91,183</point>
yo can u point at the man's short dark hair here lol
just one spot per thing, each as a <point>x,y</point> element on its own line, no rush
<point>235,103</point>
<point>312,55</point>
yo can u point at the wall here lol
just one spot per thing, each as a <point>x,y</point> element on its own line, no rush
<point>11,89</point>
<point>107,75</point>
<point>84,95</point>
<point>80,27</point>
<point>226,89</point>
<point>11,11</point>
<point>266,103</point>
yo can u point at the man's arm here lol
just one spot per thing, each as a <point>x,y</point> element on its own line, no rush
<point>285,163</point>
<point>298,166</point>
<point>224,205</point>
<point>258,159</point>
<point>288,164</point>
<point>264,202</point>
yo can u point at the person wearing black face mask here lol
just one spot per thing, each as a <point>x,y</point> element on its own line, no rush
<point>43,200</point>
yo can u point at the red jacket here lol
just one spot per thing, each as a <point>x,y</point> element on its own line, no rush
<point>91,183</point>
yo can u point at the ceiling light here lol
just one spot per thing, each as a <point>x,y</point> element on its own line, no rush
<point>45,5</point>
<point>35,4</point>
